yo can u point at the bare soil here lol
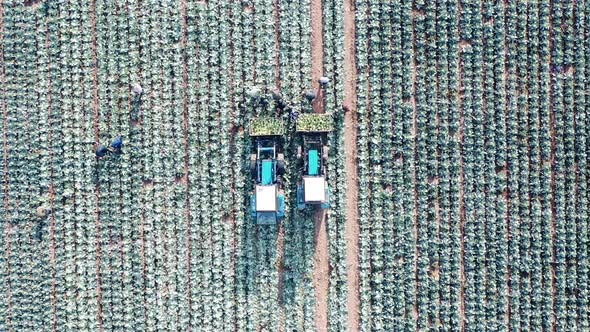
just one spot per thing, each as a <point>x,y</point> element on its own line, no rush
<point>96,134</point>
<point>317,54</point>
<point>280,230</point>
<point>51,193</point>
<point>321,268</point>
<point>275,14</point>
<point>462,44</point>
<point>415,312</point>
<point>186,147</point>
<point>351,228</point>
<point>31,3</point>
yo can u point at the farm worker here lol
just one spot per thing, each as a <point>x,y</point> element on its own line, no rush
<point>278,98</point>
<point>117,142</point>
<point>276,94</point>
<point>310,95</point>
<point>39,230</point>
<point>115,146</point>
<point>323,81</point>
<point>101,151</point>
<point>254,92</point>
<point>137,89</point>
<point>42,211</point>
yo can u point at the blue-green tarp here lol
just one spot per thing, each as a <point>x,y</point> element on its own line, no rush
<point>267,172</point>
<point>313,162</point>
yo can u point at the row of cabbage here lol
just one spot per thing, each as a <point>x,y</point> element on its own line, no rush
<point>472,146</point>
<point>24,274</point>
<point>257,279</point>
<point>333,51</point>
<point>294,77</point>
<point>158,142</point>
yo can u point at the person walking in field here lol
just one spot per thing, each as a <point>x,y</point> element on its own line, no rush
<point>293,114</point>
<point>114,147</point>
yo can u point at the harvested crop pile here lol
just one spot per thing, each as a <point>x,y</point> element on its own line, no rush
<point>314,122</point>
<point>262,126</point>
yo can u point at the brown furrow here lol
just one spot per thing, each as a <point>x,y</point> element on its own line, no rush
<point>280,230</point>
<point>186,149</point>
<point>461,183</point>
<point>506,197</point>
<point>552,175</point>
<point>351,228</point>
<point>321,265</point>
<point>413,66</point>
<point>96,132</point>
<point>51,191</point>
<point>277,35</point>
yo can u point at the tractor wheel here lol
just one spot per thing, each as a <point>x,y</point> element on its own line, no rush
<point>299,152</point>
<point>253,166</point>
<point>325,152</point>
<point>280,164</point>
<point>280,167</point>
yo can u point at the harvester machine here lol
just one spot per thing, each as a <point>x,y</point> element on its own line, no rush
<point>267,166</point>
<point>312,188</point>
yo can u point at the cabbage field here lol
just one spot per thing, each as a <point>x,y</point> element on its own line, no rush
<point>458,165</point>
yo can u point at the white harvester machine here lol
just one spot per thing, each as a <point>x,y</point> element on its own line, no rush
<point>313,188</point>
<point>267,166</point>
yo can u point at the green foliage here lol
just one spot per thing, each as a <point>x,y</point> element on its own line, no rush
<point>473,151</point>
<point>486,139</point>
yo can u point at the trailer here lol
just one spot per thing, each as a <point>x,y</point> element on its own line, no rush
<point>267,166</point>
<point>312,188</point>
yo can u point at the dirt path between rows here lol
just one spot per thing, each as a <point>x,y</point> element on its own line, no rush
<point>280,230</point>
<point>321,269</point>
<point>96,135</point>
<point>50,191</point>
<point>187,217</point>
<point>351,227</point>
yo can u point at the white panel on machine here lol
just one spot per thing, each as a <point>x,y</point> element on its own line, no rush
<point>266,198</point>
<point>315,189</point>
